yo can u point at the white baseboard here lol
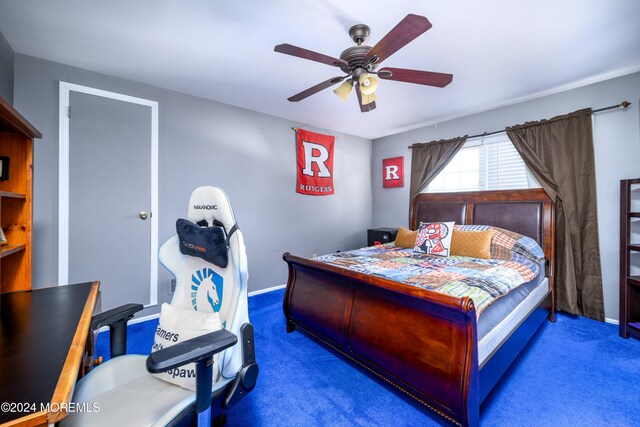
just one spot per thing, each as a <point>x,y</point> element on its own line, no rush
<point>134,320</point>
<point>155,316</point>
<point>143,318</point>
<point>612,321</point>
<point>264,291</point>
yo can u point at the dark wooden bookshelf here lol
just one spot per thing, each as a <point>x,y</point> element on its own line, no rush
<point>629,284</point>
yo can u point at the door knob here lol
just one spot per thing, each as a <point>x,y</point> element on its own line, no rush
<point>144,215</point>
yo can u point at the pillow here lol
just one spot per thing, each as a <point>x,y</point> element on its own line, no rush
<point>176,326</point>
<point>434,238</point>
<point>474,244</point>
<point>406,238</point>
<point>509,245</point>
<point>208,243</point>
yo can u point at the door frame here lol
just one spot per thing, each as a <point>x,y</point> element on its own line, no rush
<point>63,180</point>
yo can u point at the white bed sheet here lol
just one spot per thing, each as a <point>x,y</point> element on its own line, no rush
<point>493,338</point>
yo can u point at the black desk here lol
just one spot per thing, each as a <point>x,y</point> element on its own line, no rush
<point>43,333</point>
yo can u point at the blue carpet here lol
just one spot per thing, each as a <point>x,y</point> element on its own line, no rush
<point>576,372</point>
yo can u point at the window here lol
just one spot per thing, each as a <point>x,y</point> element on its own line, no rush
<point>486,164</point>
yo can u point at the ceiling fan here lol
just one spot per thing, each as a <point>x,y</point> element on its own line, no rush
<point>361,61</point>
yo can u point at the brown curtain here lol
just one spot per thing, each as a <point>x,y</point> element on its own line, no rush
<point>559,153</point>
<point>428,159</point>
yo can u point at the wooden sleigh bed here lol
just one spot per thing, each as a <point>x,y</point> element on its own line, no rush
<point>424,342</point>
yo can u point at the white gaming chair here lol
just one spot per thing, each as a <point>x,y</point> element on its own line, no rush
<point>127,394</point>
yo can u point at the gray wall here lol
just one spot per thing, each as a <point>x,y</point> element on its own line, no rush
<point>617,156</point>
<point>6,69</point>
<point>251,155</point>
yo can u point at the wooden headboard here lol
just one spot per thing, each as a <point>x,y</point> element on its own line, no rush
<point>528,212</point>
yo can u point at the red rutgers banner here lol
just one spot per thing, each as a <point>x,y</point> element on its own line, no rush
<point>315,163</point>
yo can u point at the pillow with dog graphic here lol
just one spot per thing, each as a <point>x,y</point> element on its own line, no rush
<point>176,326</point>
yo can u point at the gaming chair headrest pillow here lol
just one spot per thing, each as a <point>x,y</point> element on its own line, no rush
<point>208,243</point>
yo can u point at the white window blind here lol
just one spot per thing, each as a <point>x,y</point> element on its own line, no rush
<point>487,164</point>
<point>504,168</point>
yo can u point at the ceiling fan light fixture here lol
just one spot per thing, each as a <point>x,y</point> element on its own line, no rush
<point>368,84</point>
<point>343,90</point>
<point>367,99</point>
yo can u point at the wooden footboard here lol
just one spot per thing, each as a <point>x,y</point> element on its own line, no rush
<point>421,341</point>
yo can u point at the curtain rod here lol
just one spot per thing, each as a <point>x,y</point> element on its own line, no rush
<point>623,104</point>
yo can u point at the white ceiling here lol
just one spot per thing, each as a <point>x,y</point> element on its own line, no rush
<point>499,51</point>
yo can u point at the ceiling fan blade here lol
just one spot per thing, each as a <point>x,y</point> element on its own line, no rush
<point>406,30</point>
<point>367,107</point>
<point>428,78</point>
<point>315,89</point>
<point>309,54</point>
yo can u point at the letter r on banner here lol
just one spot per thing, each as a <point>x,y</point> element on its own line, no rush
<point>391,172</point>
<point>318,154</point>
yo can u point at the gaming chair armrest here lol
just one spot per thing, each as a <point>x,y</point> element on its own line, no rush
<point>109,317</point>
<point>192,350</point>
<point>200,350</point>
<point>116,319</point>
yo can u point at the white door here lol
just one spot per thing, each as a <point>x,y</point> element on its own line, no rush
<point>110,198</point>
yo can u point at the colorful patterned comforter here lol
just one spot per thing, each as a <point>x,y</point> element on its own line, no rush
<point>482,280</point>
